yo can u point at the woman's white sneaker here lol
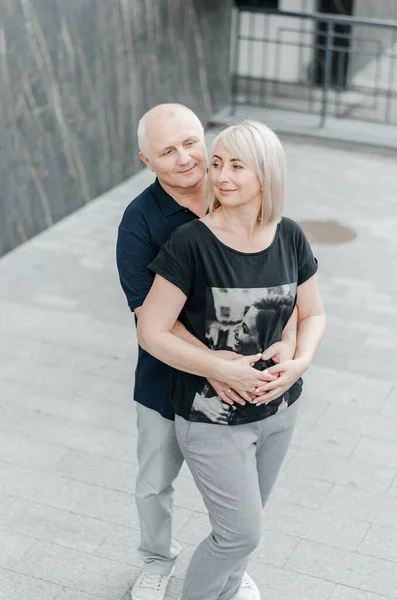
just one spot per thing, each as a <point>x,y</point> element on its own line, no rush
<point>150,586</point>
<point>248,589</point>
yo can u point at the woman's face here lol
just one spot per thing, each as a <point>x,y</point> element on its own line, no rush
<point>246,334</point>
<point>234,183</point>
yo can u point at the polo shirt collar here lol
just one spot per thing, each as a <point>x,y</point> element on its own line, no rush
<point>165,202</point>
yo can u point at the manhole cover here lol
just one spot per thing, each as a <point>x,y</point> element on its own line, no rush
<point>327,232</point>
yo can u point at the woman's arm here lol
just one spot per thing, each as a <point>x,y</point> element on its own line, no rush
<point>157,319</point>
<point>311,320</point>
<point>311,328</point>
<point>285,348</point>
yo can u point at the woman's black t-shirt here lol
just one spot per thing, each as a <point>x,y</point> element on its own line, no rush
<point>235,301</point>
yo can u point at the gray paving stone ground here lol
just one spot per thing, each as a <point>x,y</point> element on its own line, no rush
<point>68,525</point>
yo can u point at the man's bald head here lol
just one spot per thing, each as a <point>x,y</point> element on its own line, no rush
<point>172,145</point>
<point>162,113</point>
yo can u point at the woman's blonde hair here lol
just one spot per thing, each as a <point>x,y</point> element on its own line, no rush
<point>259,147</point>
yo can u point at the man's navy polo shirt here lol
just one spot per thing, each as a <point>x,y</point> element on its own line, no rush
<point>146,225</point>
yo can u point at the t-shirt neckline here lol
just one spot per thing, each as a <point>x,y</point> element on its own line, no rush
<point>276,235</point>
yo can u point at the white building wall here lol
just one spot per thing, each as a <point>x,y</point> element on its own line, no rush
<point>283,61</point>
<point>370,65</point>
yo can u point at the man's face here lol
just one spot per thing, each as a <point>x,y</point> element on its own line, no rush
<point>175,150</point>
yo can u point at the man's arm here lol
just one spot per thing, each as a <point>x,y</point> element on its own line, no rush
<point>288,335</point>
<point>134,252</point>
<point>281,350</point>
<point>157,318</point>
<point>222,389</point>
<point>180,331</point>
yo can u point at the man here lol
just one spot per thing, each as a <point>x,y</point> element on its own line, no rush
<point>171,143</point>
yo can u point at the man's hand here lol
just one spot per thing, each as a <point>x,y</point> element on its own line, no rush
<point>240,375</point>
<point>287,373</point>
<point>227,394</point>
<point>224,392</point>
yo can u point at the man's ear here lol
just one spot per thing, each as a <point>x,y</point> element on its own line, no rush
<point>145,160</point>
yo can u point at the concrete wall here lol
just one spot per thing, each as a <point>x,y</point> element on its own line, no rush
<point>75,76</point>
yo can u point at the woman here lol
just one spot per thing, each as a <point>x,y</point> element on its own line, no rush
<point>241,270</point>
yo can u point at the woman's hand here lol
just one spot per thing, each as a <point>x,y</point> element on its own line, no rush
<point>287,373</point>
<point>280,352</point>
<point>241,377</point>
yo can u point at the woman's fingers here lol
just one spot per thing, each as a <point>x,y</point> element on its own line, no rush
<point>266,376</point>
<point>272,352</point>
<point>232,398</point>
<point>271,385</point>
<point>259,379</point>
<point>251,360</point>
<point>277,369</point>
<point>244,379</point>
<point>248,397</point>
<point>262,399</point>
<point>270,396</point>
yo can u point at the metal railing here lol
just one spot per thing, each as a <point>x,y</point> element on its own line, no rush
<point>319,64</point>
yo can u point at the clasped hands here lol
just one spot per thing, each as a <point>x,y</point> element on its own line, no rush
<point>238,383</point>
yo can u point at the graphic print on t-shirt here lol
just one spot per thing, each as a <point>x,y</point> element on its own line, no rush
<point>245,321</point>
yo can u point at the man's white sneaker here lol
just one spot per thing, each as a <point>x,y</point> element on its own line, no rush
<point>248,589</point>
<point>150,586</point>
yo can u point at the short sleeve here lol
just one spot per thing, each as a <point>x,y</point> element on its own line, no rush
<point>175,261</point>
<point>307,263</point>
<point>134,252</point>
